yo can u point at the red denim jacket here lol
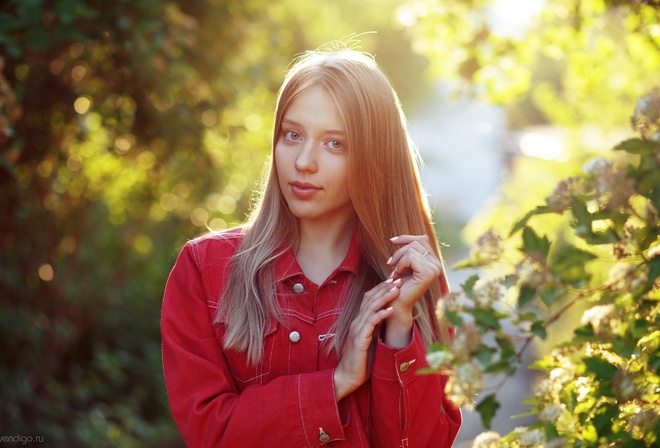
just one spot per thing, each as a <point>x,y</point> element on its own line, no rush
<point>218,399</point>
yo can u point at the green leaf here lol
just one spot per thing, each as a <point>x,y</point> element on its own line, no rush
<point>582,334</point>
<point>547,363</point>
<point>525,296</point>
<point>654,362</point>
<point>637,146</point>
<point>645,237</point>
<point>600,368</point>
<point>550,431</point>
<point>622,347</point>
<point>533,244</point>
<point>538,329</point>
<point>466,264</point>
<point>504,366</point>
<point>486,318</point>
<point>487,409</point>
<point>504,342</point>
<point>468,285</point>
<point>569,256</point>
<point>510,280</point>
<point>540,210</point>
<point>484,354</point>
<point>581,214</point>
<point>638,328</point>
<point>453,318</point>
<point>603,418</point>
<point>590,435</point>
<point>550,294</point>
<point>605,237</point>
<point>648,182</point>
<point>654,269</point>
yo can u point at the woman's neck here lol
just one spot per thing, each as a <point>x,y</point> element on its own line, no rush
<point>321,248</point>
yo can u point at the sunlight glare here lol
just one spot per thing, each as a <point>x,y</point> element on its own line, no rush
<point>542,146</point>
<point>511,17</point>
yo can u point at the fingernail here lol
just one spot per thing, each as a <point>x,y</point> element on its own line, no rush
<point>393,289</point>
<point>389,260</point>
<point>394,238</point>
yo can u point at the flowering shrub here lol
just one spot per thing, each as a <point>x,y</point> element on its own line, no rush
<point>601,387</point>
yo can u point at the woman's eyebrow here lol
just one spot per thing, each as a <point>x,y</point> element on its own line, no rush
<point>296,124</point>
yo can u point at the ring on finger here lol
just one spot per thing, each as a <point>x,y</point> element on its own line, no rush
<point>426,253</point>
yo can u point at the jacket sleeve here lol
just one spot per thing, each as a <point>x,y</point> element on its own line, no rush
<point>205,404</point>
<point>410,409</point>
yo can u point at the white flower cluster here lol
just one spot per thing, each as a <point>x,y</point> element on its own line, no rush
<point>487,292</point>
<point>601,318</point>
<point>562,196</point>
<point>583,386</point>
<point>653,252</point>
<point>530,437</point>
<point>626,246</point>
<point>612,187</point>
<point>559,442</point>
<point>464,384</point>
<point>597,166</point>
<point>487,249</point>
<point>439,358</point>
<point>626,276</point>
<point>532,275</point>
<point>550,388</point>
<point>489,439</point>
<point>551,413</point>
<point>646,118</point>
<point>465,340</point>
<point>456,302</point>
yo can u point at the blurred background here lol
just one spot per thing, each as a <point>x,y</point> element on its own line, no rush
<point>130,127</point>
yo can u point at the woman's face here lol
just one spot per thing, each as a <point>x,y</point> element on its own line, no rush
<point>311,158</point>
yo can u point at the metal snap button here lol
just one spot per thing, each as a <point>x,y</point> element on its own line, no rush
<point>294,336</point>
<point>298,288</point>
<point>324,437</point>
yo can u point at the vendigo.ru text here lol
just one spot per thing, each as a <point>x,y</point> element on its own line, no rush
<point>18,438</point>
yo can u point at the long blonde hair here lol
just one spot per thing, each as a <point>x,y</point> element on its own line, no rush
<point>384,187</point>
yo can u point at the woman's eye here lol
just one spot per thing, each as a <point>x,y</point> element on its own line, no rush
<point>292,135</point>
<point>335,144</point>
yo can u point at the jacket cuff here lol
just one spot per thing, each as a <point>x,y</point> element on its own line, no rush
<point>318,408</point>
<point>400,364</point>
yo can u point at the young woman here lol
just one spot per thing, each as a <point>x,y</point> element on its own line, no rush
<point>305,327</point>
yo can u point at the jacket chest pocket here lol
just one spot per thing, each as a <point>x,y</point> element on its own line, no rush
<point>245,373</point>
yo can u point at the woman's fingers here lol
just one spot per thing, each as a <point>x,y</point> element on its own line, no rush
<point>374,301</point>
<point>410,245</point>
<point>352,370</point>
<point>416,265</point>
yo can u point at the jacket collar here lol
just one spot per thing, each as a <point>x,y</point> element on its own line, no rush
<point>287,266</point>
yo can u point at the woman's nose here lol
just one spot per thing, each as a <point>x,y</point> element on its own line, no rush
<point>306,159</point>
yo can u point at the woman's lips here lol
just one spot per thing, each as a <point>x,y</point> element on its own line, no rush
<point>304,190</point>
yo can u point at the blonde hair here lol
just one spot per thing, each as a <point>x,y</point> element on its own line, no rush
<point>384,187</point>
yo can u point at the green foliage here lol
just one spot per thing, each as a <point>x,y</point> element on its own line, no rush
<point>572,69</point>
<point>601,386</point>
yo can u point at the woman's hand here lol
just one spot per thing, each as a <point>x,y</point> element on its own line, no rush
<point>352,370</point>
<point>416,266</point>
